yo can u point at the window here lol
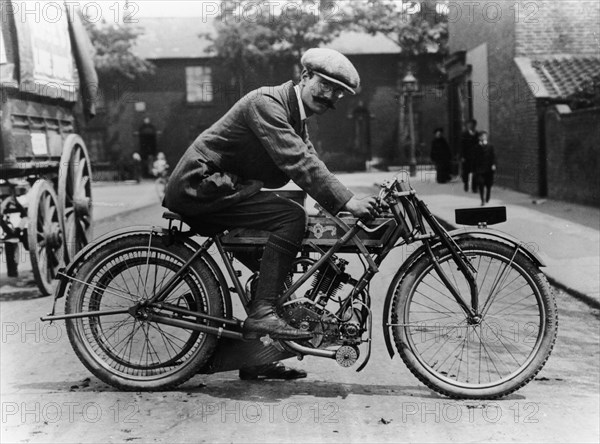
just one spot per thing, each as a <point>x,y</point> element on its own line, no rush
<point>198,83</point>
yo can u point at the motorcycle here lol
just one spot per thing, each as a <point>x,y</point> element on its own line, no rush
<point>469,311</point>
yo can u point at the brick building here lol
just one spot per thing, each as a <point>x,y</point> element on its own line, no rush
<point>189,91</point>
<point>519,68</point>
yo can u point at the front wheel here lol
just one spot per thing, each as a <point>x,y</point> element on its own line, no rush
<point>115,342</point>
<point>488,356</point>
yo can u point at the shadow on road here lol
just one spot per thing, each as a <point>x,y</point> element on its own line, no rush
<point>263,391</point>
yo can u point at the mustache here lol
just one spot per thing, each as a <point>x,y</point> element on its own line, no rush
<point>328,103</point>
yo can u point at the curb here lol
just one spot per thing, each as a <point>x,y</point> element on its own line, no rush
<point>32,291</point>
<point>126,212</point>
<point>588,300</point>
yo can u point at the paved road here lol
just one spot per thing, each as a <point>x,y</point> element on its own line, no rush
<point>48,396</point>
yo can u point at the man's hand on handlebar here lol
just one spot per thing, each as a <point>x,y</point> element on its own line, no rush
<point>366,207</point>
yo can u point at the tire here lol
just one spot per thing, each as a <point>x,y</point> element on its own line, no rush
<point>131,353</point>
<point>511,343</point>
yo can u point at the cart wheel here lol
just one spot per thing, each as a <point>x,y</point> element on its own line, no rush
<point>75,194</point>
<point>45,239</point>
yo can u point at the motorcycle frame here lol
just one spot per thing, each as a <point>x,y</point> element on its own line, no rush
<point>394,194</point>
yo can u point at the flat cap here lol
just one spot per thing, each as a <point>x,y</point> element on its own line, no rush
<point>333,66</point>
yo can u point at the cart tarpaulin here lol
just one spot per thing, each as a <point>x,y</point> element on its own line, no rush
<point>84,57</point>
<point>45,58</point>
<point>55,57</point>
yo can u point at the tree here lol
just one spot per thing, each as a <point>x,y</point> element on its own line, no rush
<point>417,28</point>
<point>241,45</point>
<point>251,36</point>
<point>114,59</point>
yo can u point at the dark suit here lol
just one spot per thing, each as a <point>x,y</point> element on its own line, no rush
<point>484,158</point>
<point>441,157</point>
<point>259,142</point>
<point>468,143</point>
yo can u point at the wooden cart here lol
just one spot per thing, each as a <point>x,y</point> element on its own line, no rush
<point>45,172</point>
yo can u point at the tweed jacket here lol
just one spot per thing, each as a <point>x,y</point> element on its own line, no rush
<point>260,142</point>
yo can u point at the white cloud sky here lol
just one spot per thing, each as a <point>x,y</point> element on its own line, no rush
<point>178,8</point>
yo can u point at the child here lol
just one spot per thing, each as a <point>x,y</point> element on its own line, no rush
<point>160,167</point>
<point>484,165</point>
<point>136,167</point>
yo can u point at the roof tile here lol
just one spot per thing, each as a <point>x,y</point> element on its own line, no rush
<point>566,75</point>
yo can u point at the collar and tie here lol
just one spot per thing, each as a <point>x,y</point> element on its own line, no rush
<point>303,117</point>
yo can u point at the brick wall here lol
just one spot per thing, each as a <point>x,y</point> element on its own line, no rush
<point>472,23</point>
<point>573,154</point>
<point>527,28</point>
<point>556,27</point>
<point>379,77</point>
<point>512,108</point>
<point>514,129</point>
<point>538,26</point>
<point>179,123</point>
<point>164,95</point>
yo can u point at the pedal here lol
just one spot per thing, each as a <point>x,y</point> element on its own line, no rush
<point>346,355</point>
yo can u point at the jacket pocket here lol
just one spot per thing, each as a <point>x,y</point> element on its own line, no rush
<point>217,184</point>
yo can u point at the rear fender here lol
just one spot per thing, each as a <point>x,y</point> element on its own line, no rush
<point>458,234</point>
<point>84,255</point>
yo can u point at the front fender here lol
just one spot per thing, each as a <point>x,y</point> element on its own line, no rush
<point>458,234</point>
<point>499,236</point>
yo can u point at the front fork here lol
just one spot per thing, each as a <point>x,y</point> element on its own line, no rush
<point>468,271</point>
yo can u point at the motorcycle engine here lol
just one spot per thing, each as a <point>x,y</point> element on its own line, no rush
<point>309,313</point>
<point>306,317</point>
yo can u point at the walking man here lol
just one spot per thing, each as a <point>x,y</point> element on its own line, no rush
<point>484,166</point>
<point>469,141</point>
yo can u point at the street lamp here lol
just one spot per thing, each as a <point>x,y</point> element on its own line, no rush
<point>409,87</point>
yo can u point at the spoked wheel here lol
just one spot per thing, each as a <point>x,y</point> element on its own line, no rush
<point>122,347</point>
<point>45,235</point>
<point>485,356</point>
<point>75,193</point>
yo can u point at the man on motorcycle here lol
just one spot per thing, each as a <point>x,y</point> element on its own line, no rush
<point>262,142</point>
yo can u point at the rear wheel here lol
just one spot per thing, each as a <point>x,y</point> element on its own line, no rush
<point>485,357</point>
<point>124,349</point>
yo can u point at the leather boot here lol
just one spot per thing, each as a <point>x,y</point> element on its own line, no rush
<point>276,263</point>
<point>263,320</point>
